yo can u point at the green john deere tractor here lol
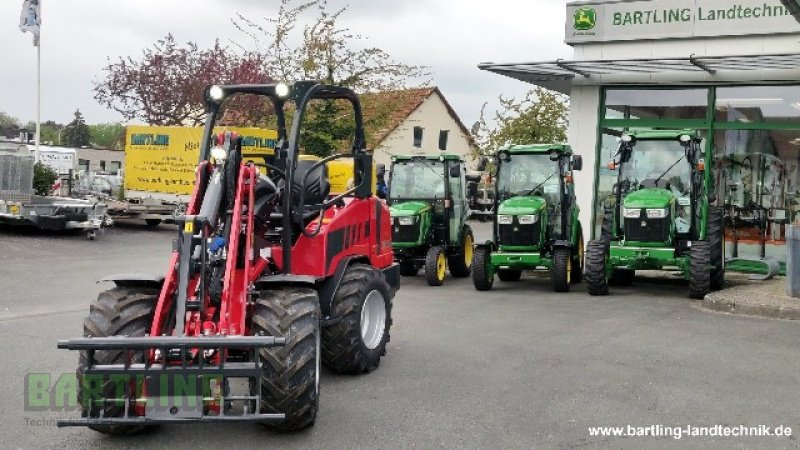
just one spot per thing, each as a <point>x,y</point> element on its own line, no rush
<point>428,203</point>
<point>658,216</point>
<point>536,222</point>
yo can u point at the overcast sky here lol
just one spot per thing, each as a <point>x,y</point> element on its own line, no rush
<point>450,36</point>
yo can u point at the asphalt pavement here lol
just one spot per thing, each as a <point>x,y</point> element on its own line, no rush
<point>516,367</point>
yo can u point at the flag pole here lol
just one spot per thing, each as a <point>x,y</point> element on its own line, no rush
<point>38,96</point>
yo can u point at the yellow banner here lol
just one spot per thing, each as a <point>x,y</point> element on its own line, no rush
<point>163,159</point>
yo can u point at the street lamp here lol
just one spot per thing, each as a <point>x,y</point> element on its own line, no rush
<point>794,7</point>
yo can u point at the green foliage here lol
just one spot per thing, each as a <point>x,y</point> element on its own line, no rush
<point>108,135</point>
<point>43,178</point>
<point>76,133</point>
<point>51,132</point>
<point>540,118</point>
<point>8,121</point>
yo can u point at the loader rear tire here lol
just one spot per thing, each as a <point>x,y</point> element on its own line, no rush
<point>482,274</point>
<point>289,380</point>
<point>363,303</point>
<point>595,272</point>
<point>561,273</point>
<point>699,270</point>
<point>716,240</point>
<point>121,311</point>
<point>460,262</point>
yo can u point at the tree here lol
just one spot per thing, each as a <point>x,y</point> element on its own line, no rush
<point>76,133</point>
<point>166,86</point>
<point>539,118</point>
<point>43,178</point>
<point>108,135</point>
<point>51,132</point>
<point>326,52</point>
<point>8,121</point>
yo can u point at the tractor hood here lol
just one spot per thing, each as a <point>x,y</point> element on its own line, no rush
<point>406,209</point>
<point>649,198</point>
<point>521,205</point>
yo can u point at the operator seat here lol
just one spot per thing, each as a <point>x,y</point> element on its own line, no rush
<point>315,192</point>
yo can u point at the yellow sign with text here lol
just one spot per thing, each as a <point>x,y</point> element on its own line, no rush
<point>163,159</point>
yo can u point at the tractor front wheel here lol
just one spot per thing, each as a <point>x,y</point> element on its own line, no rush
<point>435,266</point>
<point>121,311</point>
<point>461,262</point>
<point>561,271</point>
<point>716,241</point>
<point>289,381</point>
<point>699,273</point>
<point>356,343</point>
<point>595,273</point>
<point>482,274</point>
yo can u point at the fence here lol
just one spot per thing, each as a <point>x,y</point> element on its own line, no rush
<point>16,178</point>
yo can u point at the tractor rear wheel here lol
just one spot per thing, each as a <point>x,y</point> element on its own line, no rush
<point>716,241</point>
<point>595,274</point>
<point>121,311</point>
<point>561,271</point>
<point>699,273</point>
<point>577,260</point>
<point>482,274</point>
<point>356,343</point>
<point>461,262</point>
<point>435,266</point>
<point>409,268</point>
<point>289,380</point>
<point>622,277</point>
<point>509,275</point>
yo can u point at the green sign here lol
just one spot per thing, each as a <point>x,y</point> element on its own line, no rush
<point>585,19</point>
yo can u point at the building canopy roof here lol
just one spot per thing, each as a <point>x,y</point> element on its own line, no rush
<point>560,74</point>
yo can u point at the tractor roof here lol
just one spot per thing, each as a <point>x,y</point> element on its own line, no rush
<point>536,148</point>
<point>437,157</point>
<point>661,135</point>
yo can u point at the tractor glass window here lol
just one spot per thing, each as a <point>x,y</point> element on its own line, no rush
<point>656,103</point>
<point>417,180</point>
<point>662,164</point>
<point>527,175</point>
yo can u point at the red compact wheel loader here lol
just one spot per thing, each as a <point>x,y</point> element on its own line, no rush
<point>269,277</point>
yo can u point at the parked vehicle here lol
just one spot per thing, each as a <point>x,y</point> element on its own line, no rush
<point>536,226</point>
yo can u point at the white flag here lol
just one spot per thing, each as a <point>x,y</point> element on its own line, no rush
<point>31,19</point>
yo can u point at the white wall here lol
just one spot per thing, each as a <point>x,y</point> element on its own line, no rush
<point>433,116</point>
<point>582,136</point>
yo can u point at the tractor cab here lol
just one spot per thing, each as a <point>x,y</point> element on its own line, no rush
<point>536,224</point>
<point>429,208</point>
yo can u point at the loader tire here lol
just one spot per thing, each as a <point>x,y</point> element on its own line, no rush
<point>716,241</point>
<point>435,266</point>
<point>482,275</point>
<point>460,262</point>
<point>121,311</point>
<point>409,268</point>
<point>561,271</point>
<point>289,381</point>
<point>509,275</point>
<point>595,272</point>
<point>699,270</point>
<point>363,305</point>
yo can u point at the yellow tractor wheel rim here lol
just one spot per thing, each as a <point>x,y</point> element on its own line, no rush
<point>569,270</point>
<point>440,266</point>
<point>468,250</point>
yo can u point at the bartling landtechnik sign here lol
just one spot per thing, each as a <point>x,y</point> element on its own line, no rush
<point>604,21</point>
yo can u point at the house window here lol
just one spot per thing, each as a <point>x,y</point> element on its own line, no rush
<point>102,166</point>
<point>418,136</point>
<point>83,164</point>
<point>115,166</point>
<point>443,134</point>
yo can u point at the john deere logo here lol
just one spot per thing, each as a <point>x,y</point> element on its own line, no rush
<point>585,19</point>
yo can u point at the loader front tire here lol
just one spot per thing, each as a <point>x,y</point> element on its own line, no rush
<point>363,305</point>
<point>289,380</point>
<point>595,271</point>
<point>121,311</point>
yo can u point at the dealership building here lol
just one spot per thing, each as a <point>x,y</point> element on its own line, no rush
<point>728,69</point>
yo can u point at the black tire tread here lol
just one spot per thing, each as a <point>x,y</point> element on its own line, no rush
<point>459,267</point>
<point>699,270</point>
<point>716,236</point>
<point>431,261</point>
<point>558,273</point>
<point>480,275</point>
<point>595,270</point>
